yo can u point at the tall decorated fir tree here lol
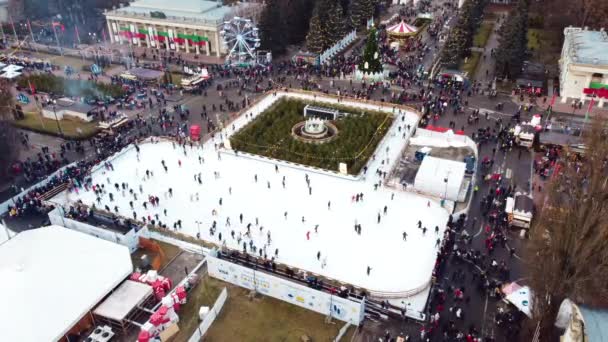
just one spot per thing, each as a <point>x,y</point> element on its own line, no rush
<point>371,61</point>
<point>336,24</point>
<point>316,40</point>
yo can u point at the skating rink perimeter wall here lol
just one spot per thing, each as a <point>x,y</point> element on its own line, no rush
<point>399,268</point>
<point>324,303</point>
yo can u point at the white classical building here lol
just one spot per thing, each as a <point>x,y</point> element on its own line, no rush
<point>190,26</point>
<point>584,65</point>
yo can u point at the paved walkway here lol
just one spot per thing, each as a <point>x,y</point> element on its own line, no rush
<point>485,68</point>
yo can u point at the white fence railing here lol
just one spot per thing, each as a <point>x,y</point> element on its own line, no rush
<point>208,320</point>
<point>338,47</point>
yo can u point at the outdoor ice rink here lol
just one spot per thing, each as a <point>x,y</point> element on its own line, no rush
<point>397,266</point>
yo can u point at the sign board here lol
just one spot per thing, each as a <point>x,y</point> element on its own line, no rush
<point>324,303</point>
<point>343,168</point>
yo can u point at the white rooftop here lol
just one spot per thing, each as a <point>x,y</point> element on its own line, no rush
<point>440,177</point>
<point>51,277</point>
<point>586,46</point>
<point>178,10</point>
<point>122,301</point>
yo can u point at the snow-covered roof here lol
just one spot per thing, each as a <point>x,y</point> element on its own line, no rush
<point>433,173</point>
<point>51,277</point>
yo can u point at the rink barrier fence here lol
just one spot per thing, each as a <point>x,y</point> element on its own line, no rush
<point>214,311</point>
<point>11,201</point>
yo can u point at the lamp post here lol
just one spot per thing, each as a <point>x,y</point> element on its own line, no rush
<point>56,118</point>
<point>198,226</point>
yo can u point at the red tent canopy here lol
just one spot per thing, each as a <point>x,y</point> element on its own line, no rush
<point>442,129</point>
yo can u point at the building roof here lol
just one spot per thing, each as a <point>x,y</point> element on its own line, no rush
<point>51,277</point>
<point>193,10</point>
<point>596,323</point>
<point>432,173</point>
<point>587,47</point>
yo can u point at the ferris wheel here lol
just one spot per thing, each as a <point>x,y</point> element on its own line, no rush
<point>240,38</point>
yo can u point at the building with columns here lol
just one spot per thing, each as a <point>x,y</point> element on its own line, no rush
<point>584,65</point>
<point>191,26</point>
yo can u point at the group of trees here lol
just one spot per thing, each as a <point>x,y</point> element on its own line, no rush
<point>320,22</point>
<point>327,25</point>
<point>284,22</point>
<point>513,41</point>
<point>460,40</point>
<point>567,256</point>
<point>332,19</point>
<point>69,87</point>
<point>580,13</point>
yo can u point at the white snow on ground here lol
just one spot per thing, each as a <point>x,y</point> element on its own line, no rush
<point>397,266</point>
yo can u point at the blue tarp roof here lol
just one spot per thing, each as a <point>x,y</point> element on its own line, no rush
<point>596,323</point>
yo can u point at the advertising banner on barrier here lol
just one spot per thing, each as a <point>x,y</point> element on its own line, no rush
<point>324,303</point>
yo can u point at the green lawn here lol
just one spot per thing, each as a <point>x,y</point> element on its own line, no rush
<point>270,135</point>
<point>69,126</point>
<point>268,319</point>
<point>483,34</point>
<point>544,45</point>
<point>470,66</point>
<point>204,294</point>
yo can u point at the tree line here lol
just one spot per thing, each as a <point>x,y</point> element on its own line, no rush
<point>319,23</point>
<point>460,40</point>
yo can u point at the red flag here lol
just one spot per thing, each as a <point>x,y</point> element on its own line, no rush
<point>553,99</point>
<point>32,88</point>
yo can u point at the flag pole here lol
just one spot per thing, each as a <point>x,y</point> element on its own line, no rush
<point>57,38</point>
<point>14,31</point>
<point>2,29</point>
<point>29,25</point>
<point>77,35</point>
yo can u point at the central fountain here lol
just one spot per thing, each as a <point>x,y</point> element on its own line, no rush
<point>314,130</point>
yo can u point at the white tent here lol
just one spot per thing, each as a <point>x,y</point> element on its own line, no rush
<point>52,277</point>
<point>440,177</point>
<point>12,67</point>
<point>10,74</point>
<point>522,300</point>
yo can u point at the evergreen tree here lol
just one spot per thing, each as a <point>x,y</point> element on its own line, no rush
<point>316,39</point>
<point>371,60</point>
<point>297,14</point>
<point>370,8</point>
<point>513,42</point>
<point>327,25</point>
<point>272,28</point>
<point>357,13</point>
<point>336,23</point>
